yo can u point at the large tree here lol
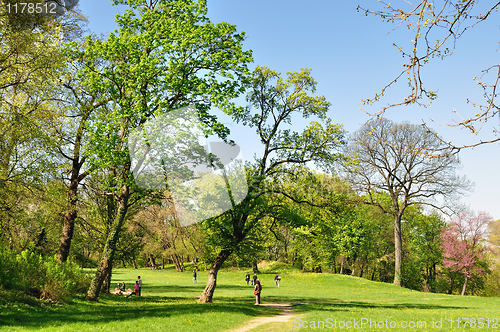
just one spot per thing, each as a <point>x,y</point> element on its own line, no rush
<point>165,55</point>
<point>435,28</point>
<point>274,103</point>
<point>31,62</point>
<point>392,161</point>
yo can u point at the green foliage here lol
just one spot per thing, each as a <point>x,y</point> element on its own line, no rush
<point>422,240</point>
<point>41,276</point>
<point>163,57</point>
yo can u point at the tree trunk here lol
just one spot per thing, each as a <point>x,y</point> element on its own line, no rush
<point>152,261</point>
<point>177,263</point>
<point>195,262</point>
<point>76,178</point>
<point>106,285</point>
<point>285,249</point>
<point>398,246</point>
<point>255,268</point>
<point>110,247</point>
<point>465,286</point>
<point>69,218</point>
<point>433,277</point>
<point>208,292</point>
<point>134,265</point>
<point>353,272</point>
<point>427,278</point>
<point>452,282</point>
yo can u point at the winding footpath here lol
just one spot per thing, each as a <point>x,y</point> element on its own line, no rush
<point>287,313</point>
<point>283,317</point>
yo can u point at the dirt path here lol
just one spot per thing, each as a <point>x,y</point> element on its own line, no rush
<point>283,317</point>
<point>287,313</point>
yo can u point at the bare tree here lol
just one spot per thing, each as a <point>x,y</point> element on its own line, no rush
<point>391,163</point>
<point>436,27</point>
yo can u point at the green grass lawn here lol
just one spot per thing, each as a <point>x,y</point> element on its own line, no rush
<point>169,304</point>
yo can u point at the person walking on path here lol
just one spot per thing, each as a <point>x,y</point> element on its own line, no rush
<point>194,276</point>
<point>136,288</point>
<point>257,290</point>
<point>254,280</point>
<point>277,279</point>
<point>247,278</point>
<point>139,282</point>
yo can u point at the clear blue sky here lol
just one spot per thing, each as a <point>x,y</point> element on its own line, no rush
<point>352,57</point>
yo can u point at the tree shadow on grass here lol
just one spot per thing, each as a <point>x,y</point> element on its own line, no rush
<point>113,308</point>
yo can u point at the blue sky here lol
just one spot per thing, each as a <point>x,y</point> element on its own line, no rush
<point>352,57</point>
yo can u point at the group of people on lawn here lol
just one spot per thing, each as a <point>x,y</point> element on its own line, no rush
<point>137,288</point>
<point>254,282</point>
<point>258,286</point>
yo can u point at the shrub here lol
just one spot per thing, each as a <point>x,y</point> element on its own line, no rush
<point>39,276</point>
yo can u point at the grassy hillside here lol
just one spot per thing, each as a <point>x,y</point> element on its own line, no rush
<point>169,304</point>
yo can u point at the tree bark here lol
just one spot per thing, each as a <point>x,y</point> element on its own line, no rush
<point>452,282</point>
<point>152,261</point>
<point>70,215</point>
<point>76,178</point>
<point>110,247</point>
<point>106,285</point>
<point>177,262</point>
<point>134,265</point>
<point>255,268</point>
<point>398,246</point>
<point>465,286</point>
<point>208,292</point>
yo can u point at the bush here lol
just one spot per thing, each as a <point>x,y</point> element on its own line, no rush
<point>42,277</point>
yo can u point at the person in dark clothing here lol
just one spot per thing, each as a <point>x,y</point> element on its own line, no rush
<point>254,279</point>
<point>122,286</point>
<point>139,282</point>
<point>194,276</point>
<point>247,278</point>
<point>257,290</point>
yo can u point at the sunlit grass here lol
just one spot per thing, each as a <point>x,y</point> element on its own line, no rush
<point>169,304</point>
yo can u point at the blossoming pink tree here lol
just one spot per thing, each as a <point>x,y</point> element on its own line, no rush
<point>462,244</point>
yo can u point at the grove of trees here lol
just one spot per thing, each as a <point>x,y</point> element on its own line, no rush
<point>370,204</point>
